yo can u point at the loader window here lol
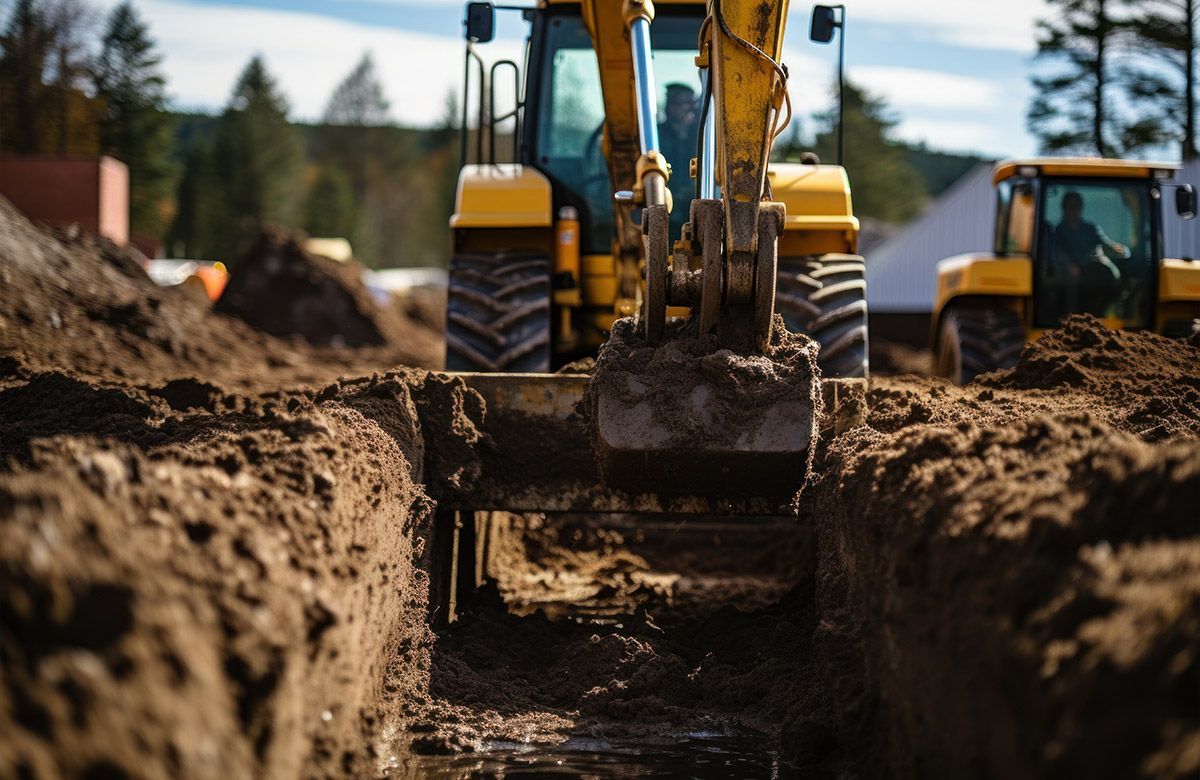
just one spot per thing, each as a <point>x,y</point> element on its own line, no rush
<point>1098,253</point>
<point>1022,214</point>
<point>571,115</point>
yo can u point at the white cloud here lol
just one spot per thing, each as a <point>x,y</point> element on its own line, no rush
<point>206,46</point>
<point>978,136</point>
<point>915,89</point>
<point>984,24</point>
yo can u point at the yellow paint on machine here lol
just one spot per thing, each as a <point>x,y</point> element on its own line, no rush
<point>1084,167</point>
<point>1179,280</point>
<point>982,273</point>
<point>819,213</point>
<point>503,195</point>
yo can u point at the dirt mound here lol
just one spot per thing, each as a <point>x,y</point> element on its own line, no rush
<point>1146,384</point>
<point>281,289</point>
<point>80,303</point>
<point>1023,566</point>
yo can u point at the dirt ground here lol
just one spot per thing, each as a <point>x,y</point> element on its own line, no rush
<point>214,557</point>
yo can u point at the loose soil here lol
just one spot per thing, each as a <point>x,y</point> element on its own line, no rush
<point>213,557</point>
<point>691,404</point>
<point>211,561</point>
<point>79,303</point>
<point>280,288</point>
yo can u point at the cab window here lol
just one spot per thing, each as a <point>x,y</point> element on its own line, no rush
<point>571,116</point>
<point>1097,251</point>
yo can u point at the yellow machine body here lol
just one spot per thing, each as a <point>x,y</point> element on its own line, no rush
<point>1005,279</point>
<point>505,205</point>
<point>510,205</point>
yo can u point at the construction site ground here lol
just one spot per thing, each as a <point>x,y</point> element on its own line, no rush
<point>214,556</point>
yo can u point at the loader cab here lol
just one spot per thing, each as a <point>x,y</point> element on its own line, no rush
<point>557,107</point>
<point>563,136</point>
<point>1094,243</point>
<point>1072,235</point>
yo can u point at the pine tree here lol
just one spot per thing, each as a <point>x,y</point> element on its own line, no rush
<point>1072,110</point>
<point>358,100</point>
<point>885,184</point>
<point>258,156</point>
<point>72,24</point>
<point>1164,31</point>
<point>26,44</point>
<point>136,127</point>
<point>197,229</point>
<point>330,209</point>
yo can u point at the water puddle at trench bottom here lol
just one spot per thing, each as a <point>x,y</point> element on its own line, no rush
<point>697,755</point>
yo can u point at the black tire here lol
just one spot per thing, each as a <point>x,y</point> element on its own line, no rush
<point>498,315</point>
<point>974,341</point>
<point>826,298</point>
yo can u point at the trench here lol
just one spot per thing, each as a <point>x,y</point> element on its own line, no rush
<point>998,580</point>
<point>213,562</point>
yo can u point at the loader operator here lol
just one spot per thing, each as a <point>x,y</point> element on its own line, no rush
<point>1086,254</point>
<point>677,141</point>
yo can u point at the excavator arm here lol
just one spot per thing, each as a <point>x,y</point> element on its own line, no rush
<point>718,268</point>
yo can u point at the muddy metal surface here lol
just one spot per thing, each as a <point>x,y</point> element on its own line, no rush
<point>213,562</point>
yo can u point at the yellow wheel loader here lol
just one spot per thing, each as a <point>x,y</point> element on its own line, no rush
<point>1072,235</point>
<point>628,176</point>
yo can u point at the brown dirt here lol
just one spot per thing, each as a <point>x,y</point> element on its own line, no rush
<point>198,576</point>
<point>213,555</point>
<point>76,302</point>
<point>1021,558</point>
<point>194,594</point>
<point>279,288</point>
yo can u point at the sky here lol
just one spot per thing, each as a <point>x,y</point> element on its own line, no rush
<point>956,72</point>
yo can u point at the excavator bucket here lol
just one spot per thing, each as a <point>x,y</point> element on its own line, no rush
<point>640,447</point>
<point>545,453</point>
<point>683,416</point>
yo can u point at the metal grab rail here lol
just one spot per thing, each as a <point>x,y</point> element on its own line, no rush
<point>514,114</point>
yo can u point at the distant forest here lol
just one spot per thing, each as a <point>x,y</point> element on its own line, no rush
<point>76,82</point>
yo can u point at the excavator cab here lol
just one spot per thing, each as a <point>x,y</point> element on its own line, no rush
<point>567,141</point>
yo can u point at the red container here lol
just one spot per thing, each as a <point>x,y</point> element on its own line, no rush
<point>90,191</point>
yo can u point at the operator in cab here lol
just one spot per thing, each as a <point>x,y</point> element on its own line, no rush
<point>1086,254</point>
<point>677,142</point>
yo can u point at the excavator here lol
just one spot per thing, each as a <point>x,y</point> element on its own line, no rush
<point>621,172</point>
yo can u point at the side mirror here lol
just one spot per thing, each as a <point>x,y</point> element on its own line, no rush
<point>824,22</point>
<point>480,22</point>
<point>1185,201</point>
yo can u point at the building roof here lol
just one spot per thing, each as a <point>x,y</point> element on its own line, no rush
<point>902,271</point>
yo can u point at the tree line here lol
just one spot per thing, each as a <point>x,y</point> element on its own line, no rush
<point>1113,77</point>
<point>73,84</point>
<point>1116,77</point>
<point>62,92</point>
